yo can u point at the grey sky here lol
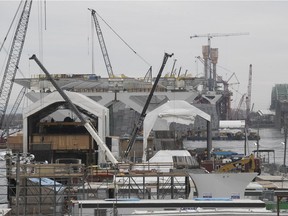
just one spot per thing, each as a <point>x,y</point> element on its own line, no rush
<point>152,28</point>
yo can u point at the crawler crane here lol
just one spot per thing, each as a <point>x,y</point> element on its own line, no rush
<point>13,61</point>
<point>89,127</point>
<point>143,113</point>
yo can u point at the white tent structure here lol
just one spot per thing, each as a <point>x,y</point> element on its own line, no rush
<point>79,100</point>
<point>178,111</point>
<point>224,124</point>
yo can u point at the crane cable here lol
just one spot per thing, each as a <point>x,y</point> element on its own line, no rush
<point>2,45</point>
<point>92,44</point>
<point>11,25</point>
<point>123,40</point>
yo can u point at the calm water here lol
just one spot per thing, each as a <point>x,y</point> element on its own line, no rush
<point>269,139</point>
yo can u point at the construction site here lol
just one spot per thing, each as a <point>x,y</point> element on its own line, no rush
<point>48,189</point>
<point>86,132</point>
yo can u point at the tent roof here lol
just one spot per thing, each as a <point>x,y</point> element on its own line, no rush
<point>178,111</point>
<point>166,155</point>
<point>52,101</point>
<point>232,124</point>
<point>79,100</point>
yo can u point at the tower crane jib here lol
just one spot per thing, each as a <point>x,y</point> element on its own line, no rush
<point>212,35</point>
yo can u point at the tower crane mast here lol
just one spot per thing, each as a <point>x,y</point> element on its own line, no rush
<point>249,90</point>
<point>13,60</point>
<point>102,44</point>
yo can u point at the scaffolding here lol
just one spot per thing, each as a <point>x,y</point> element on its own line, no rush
<point>153,185</point>
<point>43,189</point>
<point>49,189</point>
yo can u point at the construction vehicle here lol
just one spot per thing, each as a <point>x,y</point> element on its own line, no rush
<point>13,62</point>
<point>143,113</point>
<point>102,45</point>
<point>245,164</point>
<point>87,124</point>
<point>104,50</point>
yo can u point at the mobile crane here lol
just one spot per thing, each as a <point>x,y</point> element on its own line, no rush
<point>102,45</point>
<point>143,113</point>
<point>13,61</point>
<point>89,127</point>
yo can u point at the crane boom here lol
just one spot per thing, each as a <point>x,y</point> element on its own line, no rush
<point>102,44</point>
<point>12,114</point>
<point>211,35</point>
<point>13,60</point>
<point>89,127</point>
<point>143,113</point>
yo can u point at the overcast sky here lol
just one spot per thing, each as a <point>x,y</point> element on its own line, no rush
<point>152,28</point>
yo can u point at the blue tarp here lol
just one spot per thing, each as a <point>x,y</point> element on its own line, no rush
<point>224,153</point>
<point>48,183</point>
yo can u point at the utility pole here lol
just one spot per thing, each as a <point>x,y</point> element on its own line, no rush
<point>248,98</point>
<point>285,140</point>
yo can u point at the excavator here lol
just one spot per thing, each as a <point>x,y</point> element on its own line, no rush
<point>245,164</point>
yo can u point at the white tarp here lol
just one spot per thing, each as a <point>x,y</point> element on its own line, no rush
<point>178,111</point>
<point>222,185</point>
<point>162,161</point>
<point>166,156</point>
<point>232,124</point>
<point>266,112</point>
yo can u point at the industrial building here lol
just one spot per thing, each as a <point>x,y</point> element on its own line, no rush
<point>279,103</point>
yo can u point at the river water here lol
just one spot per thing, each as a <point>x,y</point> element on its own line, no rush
<point>270,138</point>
